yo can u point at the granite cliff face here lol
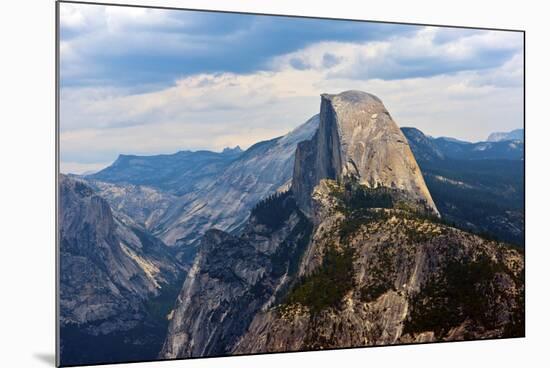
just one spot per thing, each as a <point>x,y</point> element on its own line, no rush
<point>233,278</point>
<point>387,276</point>
<point>143,204</point>
<point>357,138</point>
<point>353,254</point>
<point>110,268</point>
<point>225,203</point>
<point>179,197</point>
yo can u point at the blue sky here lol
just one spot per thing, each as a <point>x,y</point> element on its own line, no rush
<point>149,81</point>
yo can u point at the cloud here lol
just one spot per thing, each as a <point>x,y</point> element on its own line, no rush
<point>117,46</point>
<point>199,112</point>
<point>215,111</point>
<point>420,54</point>
<point>147,82</point>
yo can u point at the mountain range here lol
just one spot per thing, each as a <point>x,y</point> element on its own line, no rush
<point>347,231</point>
<point>353,254</point>
<point>478,187</point>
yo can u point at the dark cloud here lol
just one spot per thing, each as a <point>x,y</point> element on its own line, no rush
<point>190,42</point>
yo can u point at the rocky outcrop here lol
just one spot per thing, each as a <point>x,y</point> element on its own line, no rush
<point>107,268</point>
<point>365,267</point>
<point>233,278</point>
<point>391,277</point>
<point>357,138</point>
<point>423,147</point>
<point>144,205</point>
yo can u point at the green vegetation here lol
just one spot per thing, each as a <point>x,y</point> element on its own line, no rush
<point>375,290</point>
<point>362,205</point>
<point>461,292</point>
<point>380,274</point>
<point>159,306</point>
<point>516,327</point>
<point>355,196</point>
<point>274,210</point>
<point>356,219</point>
<point>140,343</point>
<point>328,284</point>
<point>494,192</point>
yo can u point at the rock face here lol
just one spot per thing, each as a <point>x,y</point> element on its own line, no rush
<point>233,278</point>
<point>109,268</point>
<point>143,204</point>
<point>391,278</point>
<point>357,137</point>
<point>179,197</point>
<point>424,148</point>
<point>344,258</point>
<point>225,203</point>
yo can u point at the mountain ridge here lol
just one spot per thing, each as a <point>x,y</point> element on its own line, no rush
<point>371,260</point>
<point>516,134</point>
<point>429,148</point>
<point>111,270</point>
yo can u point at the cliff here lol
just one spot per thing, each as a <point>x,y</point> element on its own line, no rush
<point>233,278</point>
<point>386,276</point>
<point>354,254</point>
<point>357,138</point>
<point>110,272</point>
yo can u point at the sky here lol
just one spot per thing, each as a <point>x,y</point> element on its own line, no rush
<point>149,81</point>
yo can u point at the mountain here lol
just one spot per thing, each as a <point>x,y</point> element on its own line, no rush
<point>233,277</point>
<point>178,199</point>
<point>514,135</point>
<point>388,276</point>
<point>358,138</point>
<point>424,148</point>
<point>428,148</point>
<point>350,255</point>
<point>476,186</point>
<point>177,173</point>
<point>111,271</point>
<point>225,203</point>
<point>507,150</point>
<point>143,204</point>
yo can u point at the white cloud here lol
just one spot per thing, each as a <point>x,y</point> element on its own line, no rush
<point>112,18</point>
<point>409,56</point>
<point>212,111</point>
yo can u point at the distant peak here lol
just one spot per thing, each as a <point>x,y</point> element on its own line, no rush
<point>229,150</point>
<point>516,134</point>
